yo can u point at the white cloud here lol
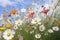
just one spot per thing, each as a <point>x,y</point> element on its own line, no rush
<point>5,2</point>
<point>8,2</point>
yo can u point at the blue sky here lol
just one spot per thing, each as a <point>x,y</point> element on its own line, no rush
<point>13,4</point>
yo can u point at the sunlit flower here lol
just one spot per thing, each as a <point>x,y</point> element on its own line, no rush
<point>3,28</point>
<point>46,8</point>
<point>42,28</point>
<point>31,14</point>
<point>29,8</point>
<point>23,10</point>
<point>37,36</point>
<point>36,21</point>
<point>55,28</point>
<point>50,31</point>
<point>15,27</point>
<point>18,22</point>
<point>13,11</point>
<point>9,25</point>
<point>45,11</point>
<point>8,34</point>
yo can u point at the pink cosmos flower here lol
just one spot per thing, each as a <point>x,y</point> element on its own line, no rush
<point>31,14</point>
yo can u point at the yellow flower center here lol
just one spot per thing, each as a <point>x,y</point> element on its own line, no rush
<point>8,34</point>
<point>36,21</point>
<point>18,22</point>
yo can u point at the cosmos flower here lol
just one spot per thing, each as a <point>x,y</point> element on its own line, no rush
<point>8,34</point>
<point>18,22</point>
<point>15,27</point>
<point>50,31</point>
<point>9,25</point>
<point>23,10</point>
<point>37,36</point>
<point>42,28</point>
<point>55,28</point>
<point>31,14</point>
<point>45,11</point>
<point>13,11</point>
<point>2,28</point>
<point>36,21</point>
<point>29,8</point>
<point>46,8</point>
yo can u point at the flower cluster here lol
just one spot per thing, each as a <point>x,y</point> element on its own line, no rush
<point>36,24</point>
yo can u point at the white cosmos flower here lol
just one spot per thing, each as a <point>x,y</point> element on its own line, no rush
<point>36,21</point>
<point>55,28</point>
<point>15,27</point>
<point>50,31</point>
<point>8,34</point>
<point>37,36</point>
<point>42,28</point>
<point>23,10</point>
<point>18,22</point>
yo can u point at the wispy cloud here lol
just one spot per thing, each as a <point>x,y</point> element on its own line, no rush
<point>8,2</point>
